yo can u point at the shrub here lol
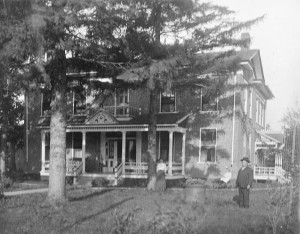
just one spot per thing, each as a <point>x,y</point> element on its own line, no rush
<point>6,182</point>
<point>277,206</point>
<point>125,223</point>
<point>100,182</point>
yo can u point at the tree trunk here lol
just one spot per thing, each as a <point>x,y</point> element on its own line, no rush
<point>3,152</point>
<point>152,143</point>
<point>12,162</point>
<point>57,173</point>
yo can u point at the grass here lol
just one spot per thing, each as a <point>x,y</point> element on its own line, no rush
<point>190,210</point>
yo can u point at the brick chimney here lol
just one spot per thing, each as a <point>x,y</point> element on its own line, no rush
<point>246,37</point>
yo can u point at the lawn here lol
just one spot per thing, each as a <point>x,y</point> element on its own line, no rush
<point>137,211</point>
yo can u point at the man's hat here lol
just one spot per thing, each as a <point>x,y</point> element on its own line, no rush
<point>245,159</point>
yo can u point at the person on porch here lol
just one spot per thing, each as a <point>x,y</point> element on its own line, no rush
<point>244,182</point>
<point>161,170</point>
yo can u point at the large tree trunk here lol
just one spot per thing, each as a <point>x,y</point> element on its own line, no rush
<point>12,161</point>
<point>3,152</point>
<point>57,184</point>
<point>152,143</point>
<point>3,136</point>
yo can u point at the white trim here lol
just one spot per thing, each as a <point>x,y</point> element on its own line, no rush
<point>233,123</point>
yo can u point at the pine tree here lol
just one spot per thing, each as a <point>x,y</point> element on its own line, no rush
<point>189,29</point>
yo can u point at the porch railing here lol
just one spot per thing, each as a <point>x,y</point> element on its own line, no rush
<point>176,168</point>
<point>73,168</point>
<point>264,171</point>
<point>122,111</point>
<point>118,173</point>
<point>136,168</point>
<point>270,173</point>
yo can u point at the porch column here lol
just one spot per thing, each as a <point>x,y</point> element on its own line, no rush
<point>183,153</point>
<point>280,160</point>
<point>43,135</point>
<point>170,153</point>
<point>139,147</point>
<point>123,150</point>
<point>83,151</point>
<point>102,148</point>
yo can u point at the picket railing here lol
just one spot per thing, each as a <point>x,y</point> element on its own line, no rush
<point>136,168</point>
<point>122,111</point>
<point>118,173</point>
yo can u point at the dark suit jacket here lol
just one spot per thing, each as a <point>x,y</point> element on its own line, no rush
<point>244,178</point>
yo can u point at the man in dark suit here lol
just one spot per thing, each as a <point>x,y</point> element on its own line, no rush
<point>244,182</point>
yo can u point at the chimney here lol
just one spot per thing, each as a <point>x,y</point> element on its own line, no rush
<point>245,37</point>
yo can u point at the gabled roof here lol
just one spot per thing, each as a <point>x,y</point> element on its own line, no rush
<point>253,58</point>
<point>275,136</point>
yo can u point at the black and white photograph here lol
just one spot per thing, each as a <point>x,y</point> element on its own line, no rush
<point>150,116</point>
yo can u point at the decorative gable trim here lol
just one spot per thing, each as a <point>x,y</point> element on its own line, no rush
<point>102,118</point>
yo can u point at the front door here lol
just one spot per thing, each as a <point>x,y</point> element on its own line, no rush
<point>114,154</point>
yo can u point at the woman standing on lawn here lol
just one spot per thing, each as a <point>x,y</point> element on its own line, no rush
<point>161,170</point>
<point>244,182</point>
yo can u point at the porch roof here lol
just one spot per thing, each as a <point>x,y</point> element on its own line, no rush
<point>175,119</point>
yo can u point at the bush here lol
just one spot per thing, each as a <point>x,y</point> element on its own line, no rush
<point>7,182</point>
<point>100,182</point>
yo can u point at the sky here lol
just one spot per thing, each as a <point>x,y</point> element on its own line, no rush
<point>278,39</point>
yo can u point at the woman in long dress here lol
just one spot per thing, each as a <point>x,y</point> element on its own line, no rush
<point>161,170</point>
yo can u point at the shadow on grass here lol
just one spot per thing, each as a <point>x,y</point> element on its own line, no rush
<point>83,219</point>
<point>85,197</point>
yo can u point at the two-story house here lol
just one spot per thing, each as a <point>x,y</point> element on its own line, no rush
<point>107,137</point>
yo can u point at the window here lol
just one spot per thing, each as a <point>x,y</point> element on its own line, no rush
<point>45,103</point>
<point>208,143</point>
<point>122,97</point>
<point>250,103</point>
<point>257,111</point>
<point>79,102</point>
<point>167,102</point>
<point>246,101</point>
<point>208,103</point>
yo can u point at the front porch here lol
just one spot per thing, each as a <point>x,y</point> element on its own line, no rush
<point>114,151</point>
<point>132,170</point>
<point>268,159</point>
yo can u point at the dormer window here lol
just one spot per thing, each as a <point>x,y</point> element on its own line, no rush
<point>168,101</point>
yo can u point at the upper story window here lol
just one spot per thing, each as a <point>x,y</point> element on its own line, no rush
<point>45,102</point>
<point>208,144</point>
<point>79,102</point>
<point>208,102</point>
<point>168,101</point>
<point>250,103</point>
<point>123,97</point>
<point>260,112</point>
<point>245,96</point>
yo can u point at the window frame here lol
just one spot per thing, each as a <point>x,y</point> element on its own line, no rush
<point>84,102</point>
<point>201,104</point>
<point>45,112</point>
<point>209,146</point>
<point>173,93</point>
